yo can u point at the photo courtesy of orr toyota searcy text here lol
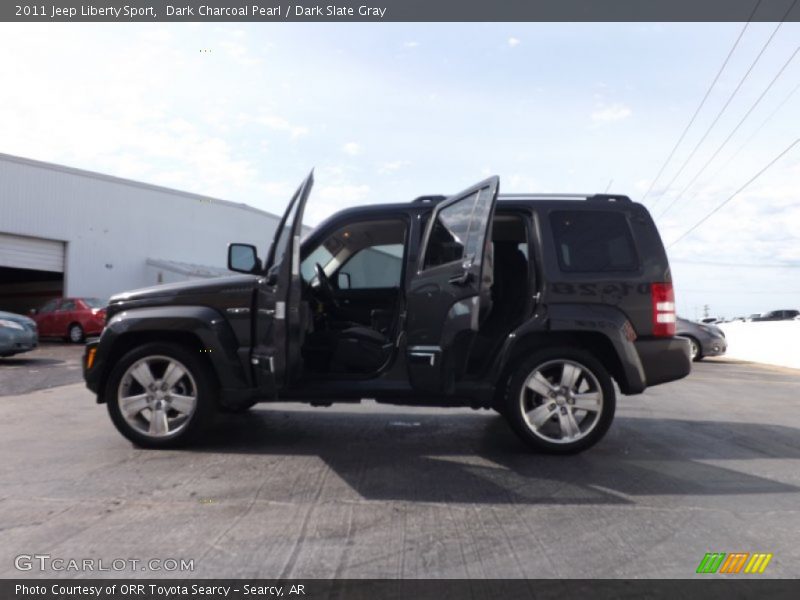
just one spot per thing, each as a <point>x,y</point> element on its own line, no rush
<point>166,591</point>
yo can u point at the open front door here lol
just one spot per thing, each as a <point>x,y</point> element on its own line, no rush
<point>451,282</point>
<point>277,320</point>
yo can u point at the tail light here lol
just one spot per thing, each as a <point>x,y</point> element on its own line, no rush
<point>663,299</point>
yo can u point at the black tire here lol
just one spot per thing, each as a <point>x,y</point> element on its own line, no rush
<point>205,394</point>
<point>595,428</point>
<point>75,333</point>
<point>696,349</point>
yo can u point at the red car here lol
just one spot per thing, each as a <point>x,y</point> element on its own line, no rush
<point>71,318</point>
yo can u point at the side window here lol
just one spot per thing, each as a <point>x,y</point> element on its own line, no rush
<point>67,305</point>
<point>375,267</point>
<point>319,255</point>
<point>49,307</point>
<point>593,241</point>
<point>450,234</point>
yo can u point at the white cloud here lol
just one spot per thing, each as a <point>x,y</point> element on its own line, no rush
<point>411,44</point>
<point>609,114</point>
<point>512,41</point>
<point>351,148</point>
<point>280,124</point>
<point>392,166</point>
<point>329,199</point>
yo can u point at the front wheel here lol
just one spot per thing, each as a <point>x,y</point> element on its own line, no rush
<point>160,395</point>
<point>560,401</point>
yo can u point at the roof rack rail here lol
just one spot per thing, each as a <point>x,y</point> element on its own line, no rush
<point>586,197</point>
<point>431,199</point>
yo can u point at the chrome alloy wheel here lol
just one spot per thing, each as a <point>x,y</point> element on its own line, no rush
<point>695,348</point>
<point>157,396</point>
<point>561,401</point>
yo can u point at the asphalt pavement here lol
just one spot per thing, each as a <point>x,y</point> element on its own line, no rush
<point>708,464</point>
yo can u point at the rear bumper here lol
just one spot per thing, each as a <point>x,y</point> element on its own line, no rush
<point>664,359</point>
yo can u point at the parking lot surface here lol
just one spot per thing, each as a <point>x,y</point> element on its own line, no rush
<point>708,464</point>
<point>50,365</point>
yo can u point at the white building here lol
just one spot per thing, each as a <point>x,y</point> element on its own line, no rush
<point>75,233</point>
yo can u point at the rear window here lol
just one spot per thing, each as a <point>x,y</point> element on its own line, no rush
<point>592,241</point>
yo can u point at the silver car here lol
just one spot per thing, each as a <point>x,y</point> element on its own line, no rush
<point>17,334</point>
<point>707,340</point>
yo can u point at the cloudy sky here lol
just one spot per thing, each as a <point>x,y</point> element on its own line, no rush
<point>386,112</point>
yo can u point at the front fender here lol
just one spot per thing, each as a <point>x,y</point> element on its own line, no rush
<point>205,326</point>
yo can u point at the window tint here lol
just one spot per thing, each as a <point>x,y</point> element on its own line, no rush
<point>450,233</point>
<point>375,267</point>
<point>49,307</point>
<point>319,255</point>
<point>589,241</point>
<point>67,305</point>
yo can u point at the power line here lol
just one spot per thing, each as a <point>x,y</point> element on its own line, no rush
<point>727,103</point>
<point>732,196</point>
<point>757,130</point>
<point>731,134</point>
<point>702,103</point>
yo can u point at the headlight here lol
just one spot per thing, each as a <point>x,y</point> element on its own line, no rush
<point>11,324</point>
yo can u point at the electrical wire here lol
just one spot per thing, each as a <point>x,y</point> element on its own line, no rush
<point>736,193</point>
<point>731,134</point>
<point>702,103</point>
<point>727,103</point>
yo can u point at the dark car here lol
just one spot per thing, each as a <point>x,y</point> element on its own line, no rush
<point>72,319</point>
<point>529,304</point>
<point>17,334</point>
<point>777,315</point>
<point>706,339</point>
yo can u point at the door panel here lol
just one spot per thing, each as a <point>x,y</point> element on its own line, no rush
<point>450,287</point>
<point>277,317</point>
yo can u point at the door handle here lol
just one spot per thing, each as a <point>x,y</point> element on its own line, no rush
<point>462,278</point>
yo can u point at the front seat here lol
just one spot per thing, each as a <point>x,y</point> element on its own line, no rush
<point>360,349</point>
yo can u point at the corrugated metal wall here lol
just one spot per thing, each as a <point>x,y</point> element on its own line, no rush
<point>112,226</point>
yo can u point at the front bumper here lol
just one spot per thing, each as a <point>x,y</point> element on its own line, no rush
<point>664,359</point>
<point>14,341</point>
<point>714,346</point>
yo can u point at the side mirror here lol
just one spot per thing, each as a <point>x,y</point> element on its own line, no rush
<point>343,280</point>
<point>243,258</point>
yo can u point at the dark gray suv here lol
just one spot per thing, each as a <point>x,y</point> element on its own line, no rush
<point>533,305</point>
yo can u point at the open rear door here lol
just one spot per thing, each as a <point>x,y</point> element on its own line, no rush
<point>276,349</point>
<point>446,291</point>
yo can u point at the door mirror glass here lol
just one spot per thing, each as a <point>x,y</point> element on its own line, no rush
<point>243,258</point>
<point>343,281</point>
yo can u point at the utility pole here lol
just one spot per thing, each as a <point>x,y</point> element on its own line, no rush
<point>705,310</point>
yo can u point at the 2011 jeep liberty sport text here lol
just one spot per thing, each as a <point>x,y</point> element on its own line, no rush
<point>533,305</point>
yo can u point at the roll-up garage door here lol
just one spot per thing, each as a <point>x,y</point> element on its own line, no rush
<point>22,252</point>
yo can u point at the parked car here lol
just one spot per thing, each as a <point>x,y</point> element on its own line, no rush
<point>17,334</point>
<point>72,319</point>
<point>753,317</point>
<point>529,304</point>
<point>712,320</point>
<point>706,340</point>
<point>778,315</point>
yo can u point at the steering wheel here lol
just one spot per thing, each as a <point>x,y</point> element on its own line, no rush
<point>325,286</point>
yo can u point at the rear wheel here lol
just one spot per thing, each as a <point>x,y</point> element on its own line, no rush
<point>75,333</point>
<point>560,401</point>
<point>160,395</point>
